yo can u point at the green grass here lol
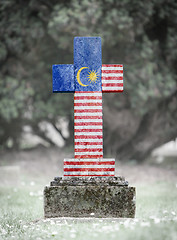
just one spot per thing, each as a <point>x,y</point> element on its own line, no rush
<point>21,216</point>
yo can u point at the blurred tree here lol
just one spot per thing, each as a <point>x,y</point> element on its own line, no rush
<point>139,34</point>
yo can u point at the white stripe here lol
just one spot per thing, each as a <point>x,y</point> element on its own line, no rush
<point>112,88</point>
<point>88,114</point>
<point>89,166</point>
<point>112,68</point>
<point>88,101</point>
<point>112,74</point>
<point>88,120</point>
<point>89,160</point>
<point>88,127</point>
<point>94,94</point>
<point>112,81</point>
<point>88,133</point>
<point>88,153</point>
<point>88,140</point>
<point>89,173</point>
<point>87,107</point>
<point>88,146</point>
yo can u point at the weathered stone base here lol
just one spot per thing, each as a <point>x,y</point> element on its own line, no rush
<point>89,197</point>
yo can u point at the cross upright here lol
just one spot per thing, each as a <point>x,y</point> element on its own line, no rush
<point>88,79</point>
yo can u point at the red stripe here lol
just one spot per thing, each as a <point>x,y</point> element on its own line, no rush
<point>87,97</point>
<point>88,123</point>
<point>108,91</point>
<point>88,104</point>
<point>88,130</point>
<point>88,136</point>
<point>88,169</point>
<point>112,71</point>
<point>88,143</point>
<point>89,163</point>
<point>112,84</point>
<point>87,110</point>
<point>88,91</point>
<point>112,65</point>
<point>87,117</point>
<point>112,78</point>
<point>97,175</point>
<point>89,156</point>
<point>88,149</point>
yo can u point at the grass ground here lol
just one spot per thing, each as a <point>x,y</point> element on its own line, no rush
<point>21,205</point>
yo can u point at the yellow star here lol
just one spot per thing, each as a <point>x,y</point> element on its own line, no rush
<point>92,76</point>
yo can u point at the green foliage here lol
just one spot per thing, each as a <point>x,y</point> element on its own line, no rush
<point>36,34</point>
<point>128,30</point>
<point>15,95</point>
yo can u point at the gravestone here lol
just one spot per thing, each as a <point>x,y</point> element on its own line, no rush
<point>89,186</point>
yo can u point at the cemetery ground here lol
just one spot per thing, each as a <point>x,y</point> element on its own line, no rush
<point>24,174</point>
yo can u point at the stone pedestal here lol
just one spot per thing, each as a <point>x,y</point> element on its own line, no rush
<point>89,197</point>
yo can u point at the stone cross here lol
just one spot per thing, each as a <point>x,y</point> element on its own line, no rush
<point>88,187</point>
<point>88,79</point>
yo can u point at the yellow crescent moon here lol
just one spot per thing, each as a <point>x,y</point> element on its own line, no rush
<point>78,77</point>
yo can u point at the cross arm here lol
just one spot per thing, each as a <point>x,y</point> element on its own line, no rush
<point>112,78</point>
<point>63,78</point>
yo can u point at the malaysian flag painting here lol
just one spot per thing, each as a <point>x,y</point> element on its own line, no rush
<point>112,78</point>
<point>88,138</point>
<point>89,167</point>
<point>88,78</point>
<point>88,132</point>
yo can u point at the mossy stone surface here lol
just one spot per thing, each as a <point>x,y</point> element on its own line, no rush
<point>84,200</point>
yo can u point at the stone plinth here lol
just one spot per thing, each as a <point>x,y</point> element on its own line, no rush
<point>89,196</point>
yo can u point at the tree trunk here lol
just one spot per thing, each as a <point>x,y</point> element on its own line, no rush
<point>156,127</point>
